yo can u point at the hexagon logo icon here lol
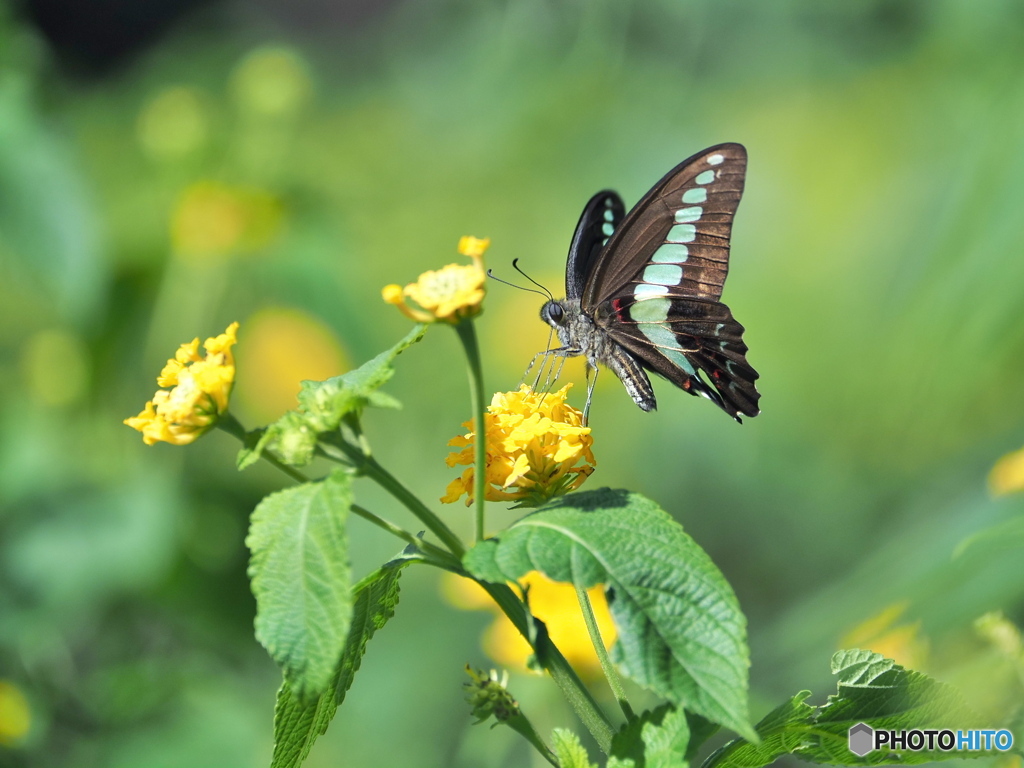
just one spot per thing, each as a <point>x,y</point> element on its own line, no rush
<point>862,739</point>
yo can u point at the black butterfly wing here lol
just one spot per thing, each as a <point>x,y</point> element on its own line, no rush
<point>601,217</point>
<point>683,223</point>
<point>690,342</point>
<point>654,289</point>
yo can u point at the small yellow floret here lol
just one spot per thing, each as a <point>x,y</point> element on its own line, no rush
<point>201,388</point>
<point>537,448</point>
<point>447,294</point>
<point>474,247</point>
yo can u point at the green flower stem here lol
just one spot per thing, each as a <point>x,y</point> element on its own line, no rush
<point>558,667</point>
<point>232,426</point>
<point>602,653</point>
<point>467,335</point>
<point>369,466</point>
<point>439,554</point>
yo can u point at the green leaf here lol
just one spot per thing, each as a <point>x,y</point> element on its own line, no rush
<point>568,750</point>
<point>656,739</point>
<point>300,577</point>
<point>878,691</point>
<point>872,689</point>
<point>252,448</point>
<point>783,731</point>
<point>324,404</point>
<point>298,722</point>
<point>681,631</point>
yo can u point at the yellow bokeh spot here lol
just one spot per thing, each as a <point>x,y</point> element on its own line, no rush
<point>173,123</point>
<point>1007,476</point>
<point>216,220</point>
<point>555,603</point>
<point>15,714</point>
<point>271,81</point>
<point>903,643</point>
<point>55,366</point>
<point>283,347</point>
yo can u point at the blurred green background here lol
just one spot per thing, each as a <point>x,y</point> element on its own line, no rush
<point>169,167</point>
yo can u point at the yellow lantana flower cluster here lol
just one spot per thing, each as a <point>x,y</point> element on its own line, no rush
<point>200,390</point>
<point>537,448</point>
<point>447,294</point>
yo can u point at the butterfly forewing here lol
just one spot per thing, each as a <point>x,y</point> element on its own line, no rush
<point>601,217</point>
<point>677,236</point>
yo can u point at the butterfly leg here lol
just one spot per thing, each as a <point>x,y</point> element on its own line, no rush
<point>591,383</point>
<point>554,373</point>
<point>529,368</point>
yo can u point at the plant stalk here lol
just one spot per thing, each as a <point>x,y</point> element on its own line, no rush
<point>370,467</point>
<point>232,426</point>
<point>602,653</point>
<point>467,335</point>
<point>565,677</point>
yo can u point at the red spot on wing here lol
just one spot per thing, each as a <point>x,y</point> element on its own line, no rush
<point>617,306</point>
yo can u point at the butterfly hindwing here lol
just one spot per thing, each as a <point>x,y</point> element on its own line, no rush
<point>691,342</point>
<point>601,216</point>
<point>677,236</point>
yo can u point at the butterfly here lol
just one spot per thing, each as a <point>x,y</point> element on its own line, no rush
<point>642,289</point>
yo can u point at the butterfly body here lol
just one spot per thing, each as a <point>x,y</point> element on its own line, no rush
<point>642,288</point>
<point>581,335</point>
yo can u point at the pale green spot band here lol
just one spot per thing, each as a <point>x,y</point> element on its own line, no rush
<point>695,195</point>
<point>705,178</point>
<point>663,274</point>
<point>644,290</point>
<point>654,310</point>
<point>692,213</point>
<point>671,253</point>
<point>650,315</point>
<point>681,233</point>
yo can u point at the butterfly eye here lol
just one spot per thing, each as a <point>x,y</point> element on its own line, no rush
<point>553,313</point>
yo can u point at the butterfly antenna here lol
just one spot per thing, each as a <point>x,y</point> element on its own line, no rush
<point>490,274</point>
<point>515,266</point>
